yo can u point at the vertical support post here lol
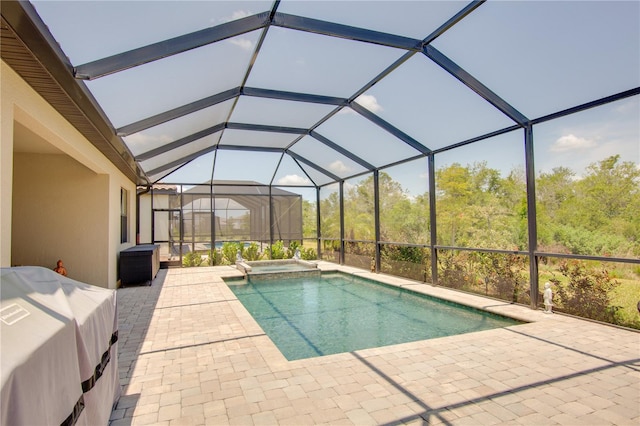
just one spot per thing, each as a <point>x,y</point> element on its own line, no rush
<point>153,221</point>
<point>432,218</point>
<point>271,223</point>
<point>318,230</point>
<point>532,225</point>
<point>212,218</point>
<point>376,216</point>
<point>193,228</point>
<point>181,227</point>
<point>342,245</point>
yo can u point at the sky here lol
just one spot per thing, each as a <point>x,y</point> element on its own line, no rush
<point>540,57</point>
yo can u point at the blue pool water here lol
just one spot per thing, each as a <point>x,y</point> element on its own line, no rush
<point>328,314</point>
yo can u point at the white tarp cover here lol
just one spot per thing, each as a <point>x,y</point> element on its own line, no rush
<point>58,349</point>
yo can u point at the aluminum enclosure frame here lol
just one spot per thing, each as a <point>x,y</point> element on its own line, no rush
<point>20,20</point>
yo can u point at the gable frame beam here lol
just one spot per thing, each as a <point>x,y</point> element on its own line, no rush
<point>266,128</point>
<point>180,142</point>
<point>178,112</point>
<point>341,150</point>
<point>249,148</point>
<point>183,160</point>
<point>198,105</point>
<point>293,96</point>
<point>389,128</point>
<point>166,48</point>
<point>313,165</point>
<point>472,83</point>
<point>452,21</point>
<point>348,32</point>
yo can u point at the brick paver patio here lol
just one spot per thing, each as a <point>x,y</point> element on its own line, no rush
<point>190,354</point>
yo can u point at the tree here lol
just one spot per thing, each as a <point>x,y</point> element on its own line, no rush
<point>330,216</point>
<point>594,215</point>
<point>607,190</point>
<point>476,207</point>
<point>309,217</point>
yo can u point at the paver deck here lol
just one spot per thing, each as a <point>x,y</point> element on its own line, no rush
<point>190,354</point>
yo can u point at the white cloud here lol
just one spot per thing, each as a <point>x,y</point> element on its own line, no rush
<point>369,102</point>
<point>293,180</point>
<point>570,143</point>
<point>242,42</point>
<point>338,167</point>
<point>238,14</point>
<point>628,107</point>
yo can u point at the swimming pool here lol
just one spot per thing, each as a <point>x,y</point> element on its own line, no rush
<point>332,313</point>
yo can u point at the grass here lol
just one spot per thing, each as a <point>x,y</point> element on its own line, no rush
<point>627,295</point>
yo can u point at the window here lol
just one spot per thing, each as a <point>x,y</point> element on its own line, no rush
<point>124,208</point>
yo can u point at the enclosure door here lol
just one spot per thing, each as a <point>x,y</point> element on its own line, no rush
<point>196,228</point>
<point>168,234</point>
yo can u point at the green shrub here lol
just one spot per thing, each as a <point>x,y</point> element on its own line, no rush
<point>214,258</point>
<point>504,276</point>
<point>252,252</point>
<point>308,254</point>
<point>230,251</point>
<point>191,259</point>
<point>587,292</point>
<point>452,270</point>
<point>277,250</point>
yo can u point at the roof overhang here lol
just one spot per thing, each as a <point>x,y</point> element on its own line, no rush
<point>30,50</point>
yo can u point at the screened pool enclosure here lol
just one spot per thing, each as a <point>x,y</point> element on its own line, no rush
<point>486,146</point>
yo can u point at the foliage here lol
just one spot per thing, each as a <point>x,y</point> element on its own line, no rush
<point>309,219</point>
<point>359,254</point>
<point>330,216</point>
<point>587,292</point>
<point>277,250</point>
<point>595,215</point>
<point>359,210</point>
<point>503,275</point>
<point>252,252</point>
<point>191,259</point>
<point>406,261</point>
<point>478,208</point>
<point>214,257</point>
<point>452,270</point>
<point>308,253</point>
<point>627,295</point>
<point>230,251</point>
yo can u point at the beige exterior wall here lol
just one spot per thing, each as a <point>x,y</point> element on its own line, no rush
<point>6,169</point>
<point>60,196</point>
<point>57,203</point>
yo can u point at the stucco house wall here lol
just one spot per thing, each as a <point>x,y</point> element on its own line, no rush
<point>60,196</point>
